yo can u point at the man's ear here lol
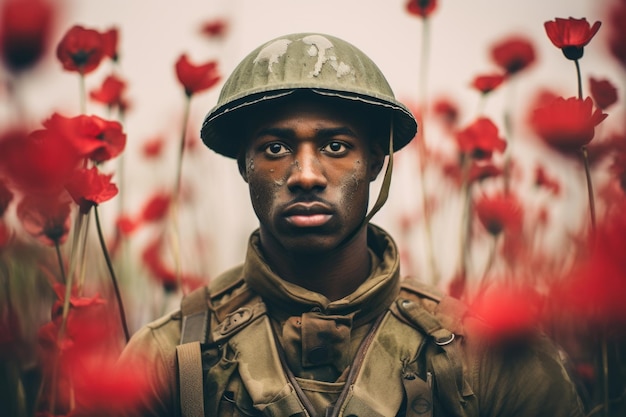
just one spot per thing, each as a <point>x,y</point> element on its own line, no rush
<point>377,160</point>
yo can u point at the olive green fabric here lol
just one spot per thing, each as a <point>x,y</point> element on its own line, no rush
<point>527,381</point>
<point>319,63</point>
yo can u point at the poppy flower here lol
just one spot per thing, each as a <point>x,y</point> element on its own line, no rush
<point>481,170</point>
<point>156,208</point>
<point>81,50</point>
<point>24,32</point>
<point>543,180</point>
<point>513,54</point>
<point>421,8</point>
<point>153,260</point>
<point>446,110</point>
<point>196,78</point>
<point>45,217</point>
<point>109,43</point>
<point>89,187</point>
<point>215,28</point>
<point>480,139</point>
<point>571,35</point>
<point>95,138</point>
<point>617,32</point>
<point>153,148</point>
<point>5,197</point>
<point>40,161</point>
<point>487,83</point>
<point>510,313</point>
<point>604,93</point>
<point>567,124</point>
<point>499,212</point>
<point>110,92</point>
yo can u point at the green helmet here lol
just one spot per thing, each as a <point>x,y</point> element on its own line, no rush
<point>319,63</point>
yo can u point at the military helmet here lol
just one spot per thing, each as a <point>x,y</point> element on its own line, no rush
<point>322,64</point>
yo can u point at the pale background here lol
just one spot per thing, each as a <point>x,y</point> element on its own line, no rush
<point>153,33</point>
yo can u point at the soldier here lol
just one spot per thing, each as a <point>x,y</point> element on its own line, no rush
<point>317,320</point>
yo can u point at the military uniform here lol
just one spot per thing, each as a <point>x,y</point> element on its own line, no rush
<point>317,341</point>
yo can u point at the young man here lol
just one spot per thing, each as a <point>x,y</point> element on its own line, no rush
<point>316,321</point>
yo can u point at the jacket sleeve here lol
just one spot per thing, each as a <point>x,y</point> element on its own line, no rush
<point>152,352</point>
<point>525,378</point>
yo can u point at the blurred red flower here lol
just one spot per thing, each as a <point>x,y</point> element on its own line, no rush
<point>447,110</point>
<point>571,35</point>
<point>499,212</point>
<point>617,32</point>
<point>544,181</point>
<point>481,170</point>
<point>215,28</point>
<point>196,78</point>
<point>109,43</point>
<point>156,208</point>
<point>24,32</point>
<point>487,83</point>
<point>5,197</point>
<point>46,217</point>
<point>421,8</point>
<point>510,313</point>
<point>153,147</point>
<point>153,260</point>
<point>110,92</point>
<point>567,125</point>
<point>480,139</point>
<point>5,234</point>
<point>513,54</point>
<point>40,161</point>
<point>81,50</point>
<point>95,138</point>
<point>603,92</point>
<point>89,187</point>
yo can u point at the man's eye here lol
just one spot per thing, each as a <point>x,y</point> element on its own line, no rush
<point>335,148</point>
<point>276,149</point>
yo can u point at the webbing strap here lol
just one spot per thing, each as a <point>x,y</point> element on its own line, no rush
<point>384,189</point>
<point>190,379</point>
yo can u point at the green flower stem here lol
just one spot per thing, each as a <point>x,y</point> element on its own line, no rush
<point>116,287</point>
<point>423,98</point>
<point>176,197</point>
<point>82,93</point>
<point>580,80</point>
<point>592,205</point>
<point>464,241</point>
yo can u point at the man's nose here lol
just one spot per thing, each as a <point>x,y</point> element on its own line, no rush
<point>307,171</point>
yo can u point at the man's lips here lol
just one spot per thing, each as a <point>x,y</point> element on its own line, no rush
<point>307,214</point>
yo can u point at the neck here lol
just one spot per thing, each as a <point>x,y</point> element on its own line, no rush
<point>334,274</point>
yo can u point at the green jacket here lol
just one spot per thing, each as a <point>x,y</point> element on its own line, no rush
<point>319,340</point>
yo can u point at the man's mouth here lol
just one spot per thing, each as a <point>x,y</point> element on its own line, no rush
<point>308,214</point>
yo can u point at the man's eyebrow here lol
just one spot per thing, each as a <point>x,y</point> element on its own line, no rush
<point>288,133</point>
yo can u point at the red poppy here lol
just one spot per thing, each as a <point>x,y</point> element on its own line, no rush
<point>196,78</point>
<point>24,32</point>
<point>499,212</point>
<point>421,8</point>
<point>510,313</point>
<point>95,138</point>
<point>481,170</point>
<point>447,110</point>
<point>46,217</point>
<point>5,197</point>
<point>89,187</point>
<point>153,260</point>
<point>156,208</point>
<point>126,225</point>
<point>513,54</point>
<point>487,83</point>
<point>544,181</point>
<point>41,161</point>
<point>603,92</point>
<point>109,43</point>
<point>571,35</point>
<point>567,125</point>
<point>617,32</point>
<point>215,28</point>
<point>480,139</point>
<point>81,50</point>
<point>110,92</point>
<point>152,148</point>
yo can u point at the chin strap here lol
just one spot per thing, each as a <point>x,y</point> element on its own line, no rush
<point>384,189</point>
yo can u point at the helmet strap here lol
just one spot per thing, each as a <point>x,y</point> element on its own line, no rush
<point>384,188</point>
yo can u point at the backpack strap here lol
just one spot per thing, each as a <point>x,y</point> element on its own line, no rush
<point>195,312</point>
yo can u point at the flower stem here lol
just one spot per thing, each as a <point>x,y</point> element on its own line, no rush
<point>592,206</point>
<point>176,196</point>
<point>82,94</point>
<point>423,98</point>
<point>107,258</point>
<point>579,78</point>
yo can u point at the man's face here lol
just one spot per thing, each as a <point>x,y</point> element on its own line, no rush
<point>308,165</point>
